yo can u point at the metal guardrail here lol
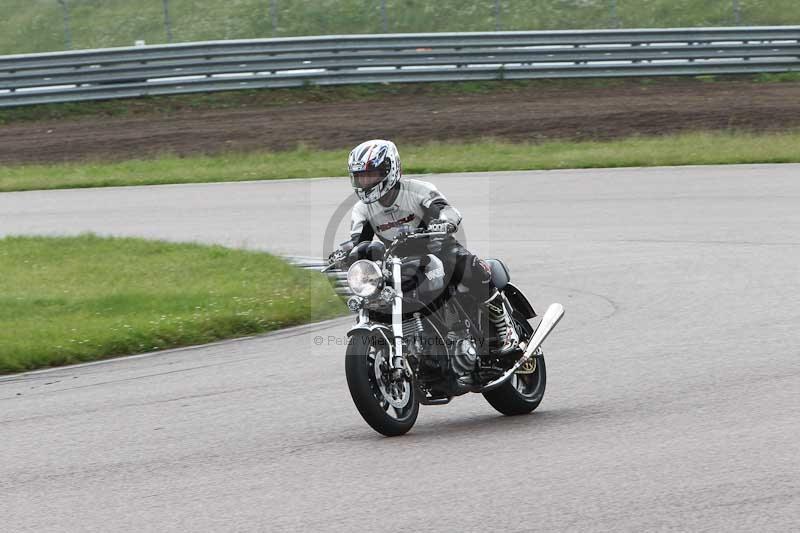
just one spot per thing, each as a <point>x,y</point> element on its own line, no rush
<point>337,278</point>
<point>400,58</point>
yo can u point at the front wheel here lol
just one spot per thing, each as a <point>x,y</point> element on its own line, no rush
<point>387,401</point>
<point>522,393</point>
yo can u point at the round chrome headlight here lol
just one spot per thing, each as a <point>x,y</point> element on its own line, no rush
<point>365,278</point>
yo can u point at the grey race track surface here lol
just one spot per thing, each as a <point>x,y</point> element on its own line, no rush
<point>673,400</point>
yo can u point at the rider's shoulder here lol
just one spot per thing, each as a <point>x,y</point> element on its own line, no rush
<point>360,208</point>
<point>423,192</point>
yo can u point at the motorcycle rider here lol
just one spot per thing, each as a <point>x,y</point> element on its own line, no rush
<point>389,206</point>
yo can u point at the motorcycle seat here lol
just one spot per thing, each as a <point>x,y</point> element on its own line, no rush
<point>500,275</point>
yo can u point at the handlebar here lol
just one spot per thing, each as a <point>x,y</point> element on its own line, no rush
<point>329,267</point>
<point>416,234</point>
<point>422,234</point>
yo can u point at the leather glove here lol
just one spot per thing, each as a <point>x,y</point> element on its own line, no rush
<point>438,224</point>
<point>337,256</point>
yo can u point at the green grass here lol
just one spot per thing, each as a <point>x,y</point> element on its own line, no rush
<point>37,25</point>
<point>686,149</point>
<point>67,300</point>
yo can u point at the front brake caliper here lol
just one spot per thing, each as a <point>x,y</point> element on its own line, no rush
<point>529,366</point>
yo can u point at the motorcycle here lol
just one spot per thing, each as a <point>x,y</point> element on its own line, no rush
<point>419,340</point>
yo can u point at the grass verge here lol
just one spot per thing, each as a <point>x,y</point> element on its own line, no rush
<point>68,300</point>
<point>37,25</point>
<point>686,149</point>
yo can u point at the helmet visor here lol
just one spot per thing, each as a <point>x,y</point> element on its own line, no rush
<point>367,179</point>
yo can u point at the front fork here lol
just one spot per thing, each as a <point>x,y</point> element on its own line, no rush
<point>398,358</point>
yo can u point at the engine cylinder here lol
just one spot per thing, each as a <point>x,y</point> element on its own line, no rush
<point>413,326</point>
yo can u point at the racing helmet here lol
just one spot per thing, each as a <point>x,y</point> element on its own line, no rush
<point>374,168</point>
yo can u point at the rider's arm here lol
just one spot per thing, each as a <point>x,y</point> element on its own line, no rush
<point>360,228</point>
<point>436,207</point>
<point>360,231</point>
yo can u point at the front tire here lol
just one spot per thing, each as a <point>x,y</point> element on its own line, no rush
<point>389,406</point>
<point>521,394</point>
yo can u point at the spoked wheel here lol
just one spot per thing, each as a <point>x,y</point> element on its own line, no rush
<point>524,391</point>
<point>385,398</point>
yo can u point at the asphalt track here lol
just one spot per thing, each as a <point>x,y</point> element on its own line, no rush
<point>673,398</point>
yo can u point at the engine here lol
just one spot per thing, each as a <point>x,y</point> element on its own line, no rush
<point>465,354</point>
<point>429,357</point>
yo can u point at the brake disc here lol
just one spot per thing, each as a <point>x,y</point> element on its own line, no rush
<point>401,387</point>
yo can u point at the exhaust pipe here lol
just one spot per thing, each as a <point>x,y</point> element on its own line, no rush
<point>551,317</point>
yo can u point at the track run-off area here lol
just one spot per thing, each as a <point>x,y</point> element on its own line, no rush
<point>673,397</point>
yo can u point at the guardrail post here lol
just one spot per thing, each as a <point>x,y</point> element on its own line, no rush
<point>273,12</point>
<point>384,20</point>
<point>496,15</point>
<point>167,22</point>
<point>737,12</point>
<point>67,29</point>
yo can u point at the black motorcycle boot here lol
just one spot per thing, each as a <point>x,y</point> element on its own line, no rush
<point>507,336</point>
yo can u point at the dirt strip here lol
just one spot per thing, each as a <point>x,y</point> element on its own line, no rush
<point>524,114</point>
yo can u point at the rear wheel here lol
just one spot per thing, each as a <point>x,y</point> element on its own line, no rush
<point>523,392</point>
<point>385,398</point>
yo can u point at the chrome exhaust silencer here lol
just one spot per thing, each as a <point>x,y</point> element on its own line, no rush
<point>551,317</point>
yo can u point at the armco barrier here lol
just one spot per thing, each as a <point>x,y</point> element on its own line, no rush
<point>400,58</point>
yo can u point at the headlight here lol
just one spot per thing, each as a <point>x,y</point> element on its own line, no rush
<point>365,278</point>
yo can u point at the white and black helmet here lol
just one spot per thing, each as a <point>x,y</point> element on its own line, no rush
<point>374,168</point>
